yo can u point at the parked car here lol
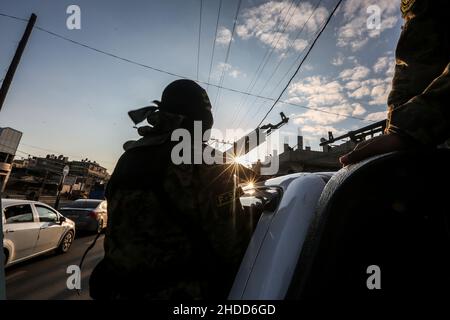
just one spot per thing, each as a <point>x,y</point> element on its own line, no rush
<point>32,228</point>
<point>89,214</point>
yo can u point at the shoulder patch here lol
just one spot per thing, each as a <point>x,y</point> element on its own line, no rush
<point>225,198</point>
<point>406,6</point>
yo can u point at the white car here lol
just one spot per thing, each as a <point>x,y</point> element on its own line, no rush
<point>31,228</point>
<point>379,228</point>
<point>284,207</point>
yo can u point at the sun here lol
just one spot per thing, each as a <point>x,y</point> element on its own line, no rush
<point>240,160</point>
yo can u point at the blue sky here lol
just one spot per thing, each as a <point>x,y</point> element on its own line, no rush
<point>74,101</point>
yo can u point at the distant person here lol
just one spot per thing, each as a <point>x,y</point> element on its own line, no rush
<point>174,231</point>
<point>418,104</point>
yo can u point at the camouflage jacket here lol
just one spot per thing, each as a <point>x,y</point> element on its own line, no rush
<point>174,231</point>
<point>418,105</point>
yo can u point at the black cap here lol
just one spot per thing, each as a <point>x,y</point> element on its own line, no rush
<point>187,98</point>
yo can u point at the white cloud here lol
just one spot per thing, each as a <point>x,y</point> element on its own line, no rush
<point>281,43</point>
<point>360,93</point>
<point>353,60</point>
<point>380,94</point>
<point>338,60</point>
<point>300,44</point>
<point>377,116</point>
<point>331,115</point>
<point>277,23</point>
<point>376,89</point>
<point>320,131</point>
<point>223,36</point>
<point>352,85</point>
<point>235,73</point>
<point>356,73</point>
<point>332,101</point>
<point>383,64</point>
<point>358,109</point>
<point>230,70</point>
<point>222,66</point>
<point>354,32</point>
<point>330,97</point>
<point>317,91</point>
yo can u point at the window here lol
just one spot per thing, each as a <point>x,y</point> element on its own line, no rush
<point>46,214</point>
<point>18,214</point>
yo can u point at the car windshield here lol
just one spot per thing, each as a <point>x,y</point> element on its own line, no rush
<point>84,204</point>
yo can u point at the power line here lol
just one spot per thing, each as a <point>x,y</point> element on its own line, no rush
<point>199,35</point>
<point>260,68</point>
<point>268,58</point>
<point>214,44</point>
<point>110,54</point>
<point>227,56</point>
<point>26,153</point>
<point>13,17</point>
<point>301,63</point>
<point>274,46</point>
<point>18,150</point>
<point>284,76</point>
<point>56,152</point>
<point>286,53</point>
<point>48,150</point>
<point>181,76</point>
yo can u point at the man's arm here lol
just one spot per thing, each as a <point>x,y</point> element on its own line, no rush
<point>423,120</point>
<point>426,117</point>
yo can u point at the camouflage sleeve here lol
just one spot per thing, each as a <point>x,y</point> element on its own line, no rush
<point>426,117</point>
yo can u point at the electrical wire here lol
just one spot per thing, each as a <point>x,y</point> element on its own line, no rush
<point>301,63</point>
<point>217,99</point>
<point>214,45</point>
<point>199,37</point>
<point>285,54</point>
<point>262,64</point>
<point>181,76</point>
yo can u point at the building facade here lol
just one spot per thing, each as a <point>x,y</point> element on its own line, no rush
<point>88,173</point>
<point>43,175</point>
<point>303,159</point>
<point>9,142</point>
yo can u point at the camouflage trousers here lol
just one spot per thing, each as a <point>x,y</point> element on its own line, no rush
<point>106,284</point>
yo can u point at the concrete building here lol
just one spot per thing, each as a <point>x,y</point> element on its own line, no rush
<point>88,173</point>
<point>9,142</point>
<point>303,159</point>
<point>51,164</point>
<point>20,163</point>
<point>43,175</point>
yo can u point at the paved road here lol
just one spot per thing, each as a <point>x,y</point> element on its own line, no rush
<point>45,277</point>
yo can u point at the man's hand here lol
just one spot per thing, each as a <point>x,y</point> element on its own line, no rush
<point>379,145</point>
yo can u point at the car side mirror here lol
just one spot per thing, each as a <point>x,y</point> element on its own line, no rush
<point>62,219</point>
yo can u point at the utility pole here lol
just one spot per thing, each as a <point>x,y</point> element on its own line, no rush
<point>3,91</point>
<point>60,185</point>
<point>15,61</point>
